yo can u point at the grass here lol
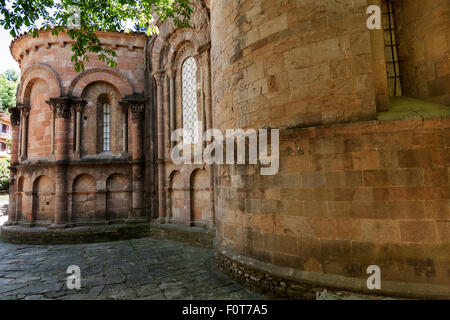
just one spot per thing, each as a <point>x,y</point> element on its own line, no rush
<point>405,107</point>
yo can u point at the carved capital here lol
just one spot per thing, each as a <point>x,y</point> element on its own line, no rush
<point>78,105</point>
<point>171,73</point>
<point>136,108</point>
<point>61,106</point>
<point>159,77</point>
<point>15,116</point>
<point>24,110</point>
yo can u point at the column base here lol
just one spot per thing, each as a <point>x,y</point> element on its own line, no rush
<point>160,221</point>
<point>88,224</point>
<point>27,224</point>
<point>76,155</point>
<point>86,234</point>
<point>58,226</point>
<point>135,220</point>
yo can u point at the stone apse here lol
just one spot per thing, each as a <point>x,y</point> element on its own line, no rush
<point>93,149</point>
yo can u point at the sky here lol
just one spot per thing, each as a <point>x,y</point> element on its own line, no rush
<point>6,59</point>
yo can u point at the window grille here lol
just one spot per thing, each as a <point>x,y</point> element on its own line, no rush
<point>391,49</point>
<point>106,127</point>
<point>189,99</point>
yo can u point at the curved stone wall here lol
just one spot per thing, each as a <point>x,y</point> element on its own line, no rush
<point>49,56</point>
<point>347,196</point>
<point>63,173</point>
<point>290,63</point>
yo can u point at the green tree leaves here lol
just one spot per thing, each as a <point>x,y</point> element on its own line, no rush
<point>11,75</point>
<point>8,87</point>
<point>94,15</point>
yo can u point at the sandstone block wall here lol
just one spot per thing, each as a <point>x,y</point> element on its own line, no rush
<point>40,121</point>
<point>291,63</point>
<point>424,48</point>
<point>95,194</point>
<point>64,176</point>
<point>55,52</point>
<point>185,192</point>
<point>347,197</point>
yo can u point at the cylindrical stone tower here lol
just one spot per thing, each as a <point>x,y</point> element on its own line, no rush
<point>347,195</point>
<point>77,156</point>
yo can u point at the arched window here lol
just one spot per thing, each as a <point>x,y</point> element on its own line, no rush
<point>106,127</point>
<point>189,99</point>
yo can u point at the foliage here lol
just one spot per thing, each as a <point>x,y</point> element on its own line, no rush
<point>11,75</point>
<point>8,90</point>
<point>104,15</point>
<point>4,174</point>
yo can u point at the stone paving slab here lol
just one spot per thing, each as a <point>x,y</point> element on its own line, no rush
<point>135,269</point>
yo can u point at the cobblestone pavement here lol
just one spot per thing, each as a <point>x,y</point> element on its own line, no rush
<point>136,269</point>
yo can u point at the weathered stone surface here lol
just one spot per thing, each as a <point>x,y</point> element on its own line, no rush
<point>119,270</point>
<point>351,191</point>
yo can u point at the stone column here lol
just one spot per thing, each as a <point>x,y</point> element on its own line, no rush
<point>171,75</point>
<point>100,202</point>
<point>78,106</point>
<point>137,112</point>
<point>161,152</point>
<point>52,143</point>
<point>62,107</point>
<point>15,125</point>
<point>125,129</point>
<point>12,205</point>
<point>28,219</point>
<point>206,63</point>
<point>25,112</point>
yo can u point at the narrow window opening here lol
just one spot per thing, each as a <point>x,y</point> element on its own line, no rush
<point>189,99</point>
<point>391,49</point>
<point>106,127</point>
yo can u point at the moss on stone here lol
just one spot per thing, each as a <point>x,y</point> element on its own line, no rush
<point>405,107</point>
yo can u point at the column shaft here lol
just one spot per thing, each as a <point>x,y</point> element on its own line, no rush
<point>137,112</point>
<point>53,133</point>
<point>125,131</point>
<point>172,102</point>
<point>161,152</point>
<point>15,127</point>
<point>62,108</point>
<point>78,132</point>
<point>137,155</point>
<point>24,133</point>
